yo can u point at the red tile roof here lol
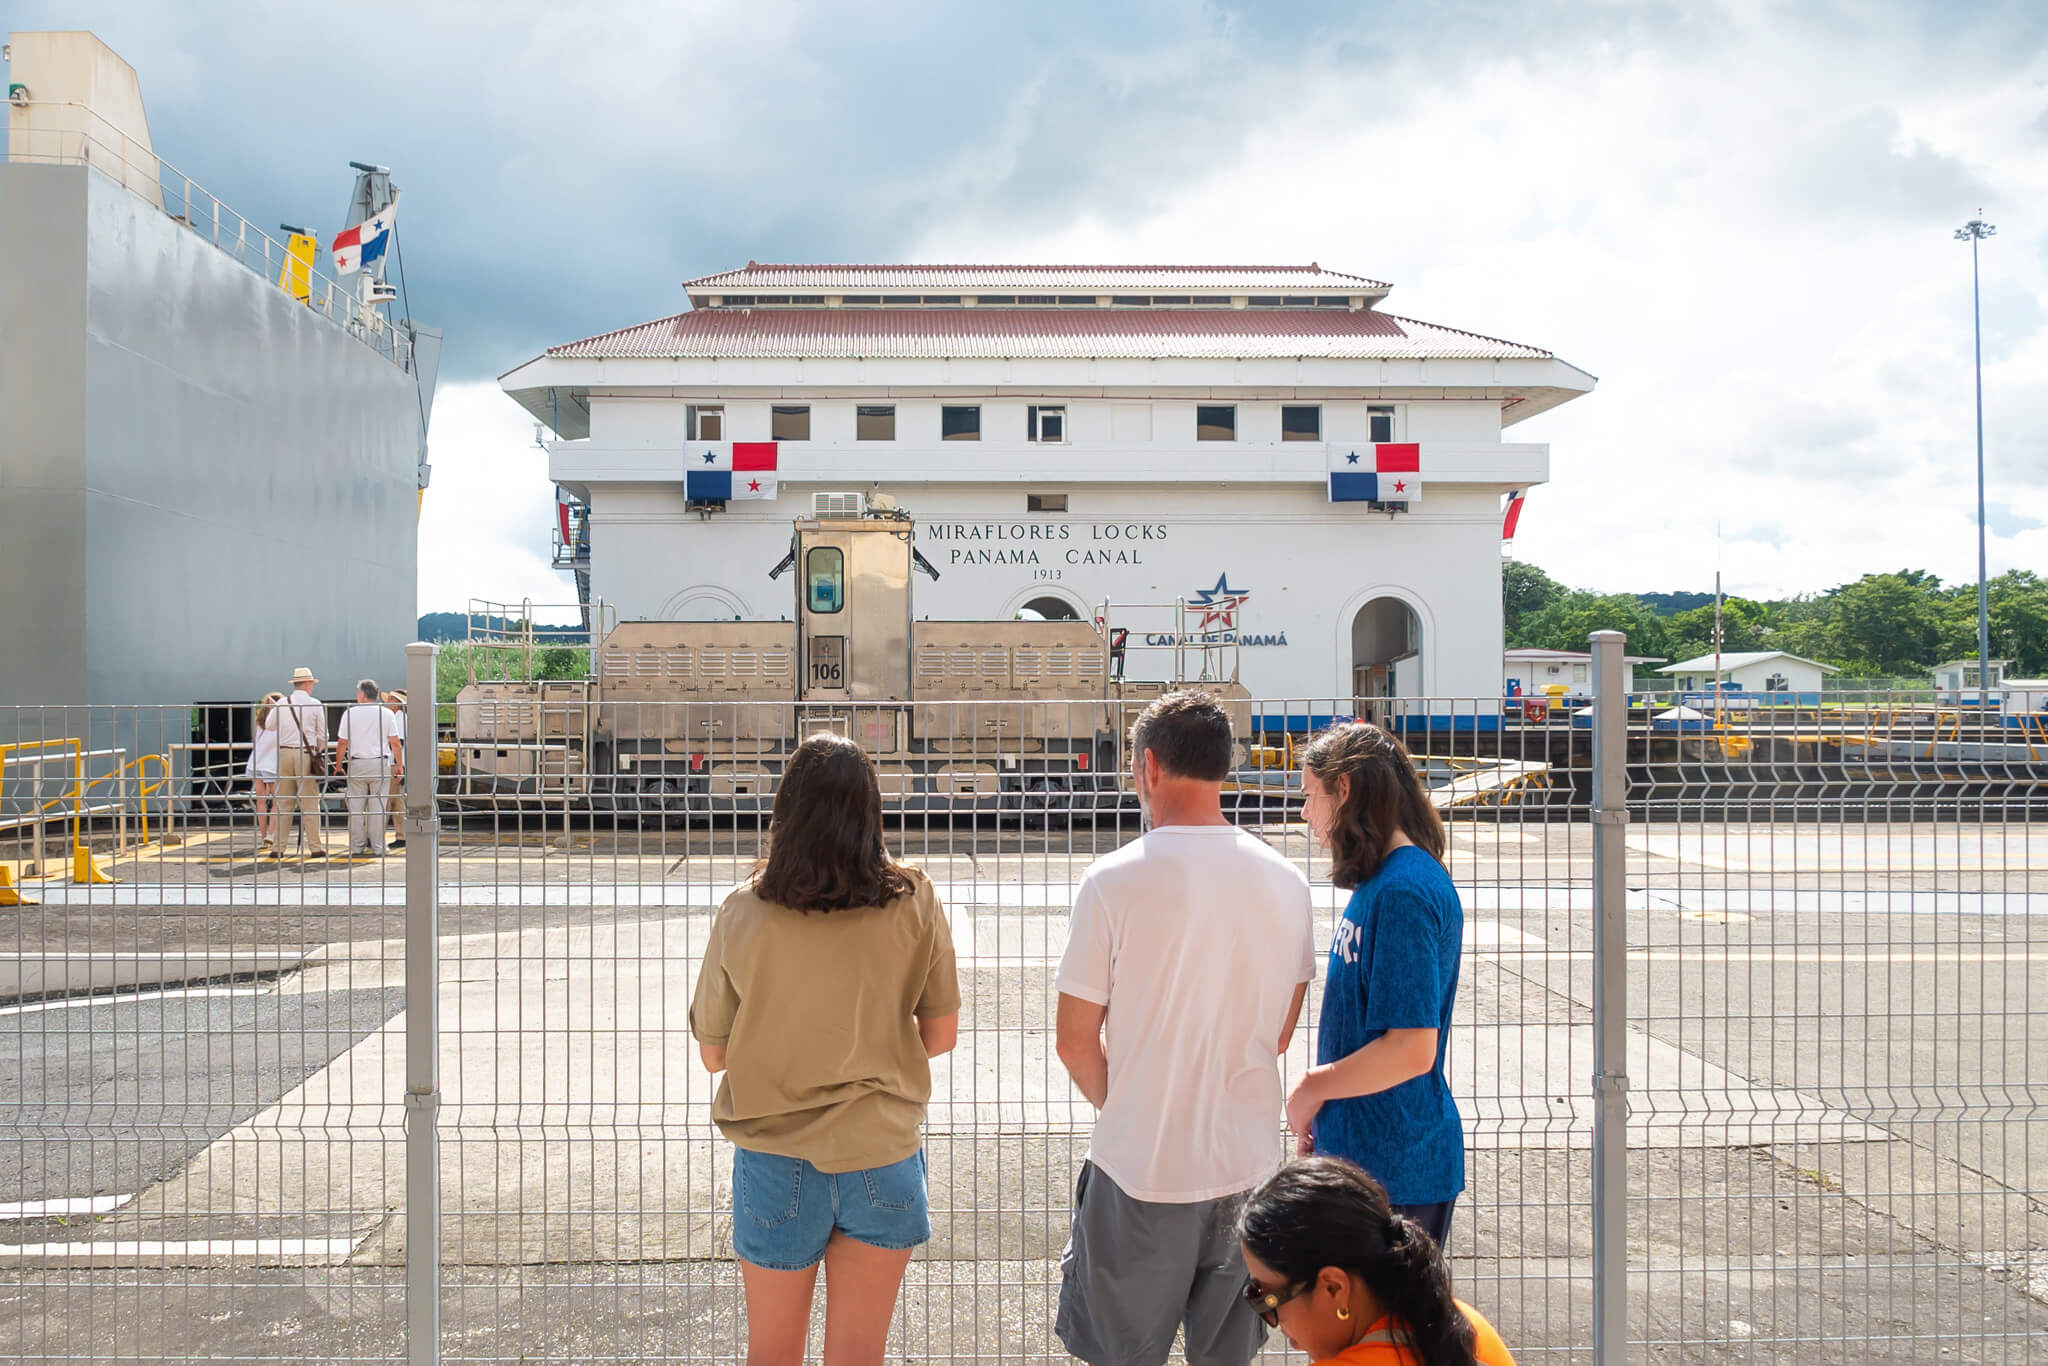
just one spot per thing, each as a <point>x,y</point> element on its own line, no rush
<point>905,333</point>
<point>967,279</point>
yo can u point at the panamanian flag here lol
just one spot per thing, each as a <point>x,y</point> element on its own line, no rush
<point>1388,472</point>
<point>720,473</point>
<point>363,245</point>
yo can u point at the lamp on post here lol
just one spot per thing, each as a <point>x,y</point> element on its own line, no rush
<point>1973,232</point>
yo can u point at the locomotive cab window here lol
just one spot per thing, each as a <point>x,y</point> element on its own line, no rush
<point>825,578</point>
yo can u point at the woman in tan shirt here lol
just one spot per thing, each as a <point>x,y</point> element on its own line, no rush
<point>827,987</point>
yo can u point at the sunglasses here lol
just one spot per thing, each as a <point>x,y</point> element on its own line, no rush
<point>1266,1303</point>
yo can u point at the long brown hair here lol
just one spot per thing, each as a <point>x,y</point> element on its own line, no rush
<point>1385,795</point>
<point>1321,1212</point>
<point>825,850</point>
<point>263,708</point>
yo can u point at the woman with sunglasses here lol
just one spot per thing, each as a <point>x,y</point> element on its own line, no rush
<point>1378,1094</point>
<point>1346,1279</point>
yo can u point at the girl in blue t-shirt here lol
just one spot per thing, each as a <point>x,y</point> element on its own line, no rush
<point>1377,1094</point>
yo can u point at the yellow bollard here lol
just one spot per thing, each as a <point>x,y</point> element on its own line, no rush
<point>86,868</point>
<point>10,895</point>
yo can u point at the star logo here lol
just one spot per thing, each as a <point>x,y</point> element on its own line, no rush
<point>1400,486</point>
<point>1219,604</point>
<point>711,457</point>
<point>753,486</point>
<point>1351,459</point>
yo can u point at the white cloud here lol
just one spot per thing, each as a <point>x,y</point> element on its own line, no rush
<point>1747,238</point>
<point>1739,219</point>
<point>484,524</point>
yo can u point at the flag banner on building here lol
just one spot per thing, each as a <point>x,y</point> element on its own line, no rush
<point>723,473</point>
<point>363,246</point>
<point>1385,472</point>
<point>1514,514</point>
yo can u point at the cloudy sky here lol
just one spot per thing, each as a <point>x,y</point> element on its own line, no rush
<point>1738,215</point>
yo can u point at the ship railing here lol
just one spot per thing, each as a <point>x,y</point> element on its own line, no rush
<point>68,133</point>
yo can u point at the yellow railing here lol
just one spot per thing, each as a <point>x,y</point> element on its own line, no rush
<point>145,789</point>
<point>72,803</point>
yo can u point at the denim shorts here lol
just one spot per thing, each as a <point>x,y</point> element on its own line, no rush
<point>785,1210</point>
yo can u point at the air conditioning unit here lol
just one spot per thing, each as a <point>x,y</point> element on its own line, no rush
<point>838,507</point>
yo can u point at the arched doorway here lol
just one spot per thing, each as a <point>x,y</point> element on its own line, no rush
<point>704,602</point>
<point>1047,607</point>
<point>1386,653</point>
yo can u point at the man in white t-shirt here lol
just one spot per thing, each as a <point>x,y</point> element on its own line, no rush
<point>1192,949</point>
<point>368,749</point>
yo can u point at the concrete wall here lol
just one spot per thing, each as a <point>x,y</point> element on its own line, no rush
<point>227,479</point>
<point>1308,569</point>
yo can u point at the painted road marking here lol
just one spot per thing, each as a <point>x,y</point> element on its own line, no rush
<point>127,998</point>
<point>143,1251</point>
<point>81,1204</point>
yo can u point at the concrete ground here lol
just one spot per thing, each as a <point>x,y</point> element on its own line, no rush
<point>1837,1051</point>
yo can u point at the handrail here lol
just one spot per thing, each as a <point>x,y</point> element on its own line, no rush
<point>118,153</point>
<point>142,793</point>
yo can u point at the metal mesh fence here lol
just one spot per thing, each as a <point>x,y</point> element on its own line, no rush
<point>1831,1032</point>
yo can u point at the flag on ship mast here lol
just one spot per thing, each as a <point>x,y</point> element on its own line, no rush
<point>363,245</point>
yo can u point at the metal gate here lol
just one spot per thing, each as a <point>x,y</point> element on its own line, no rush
<point>1748,1039</point>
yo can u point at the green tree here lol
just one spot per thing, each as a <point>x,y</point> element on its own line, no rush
<point>1565,623</point>
<point>1890,623</point>
<point>1525,591</point>
<point>2019,622</point>
<point>1744,626</point>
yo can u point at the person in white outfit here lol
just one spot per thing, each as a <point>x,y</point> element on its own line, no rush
<point>262,766</point>
<point>369,750</point>
<point>394,699</point>
<point>300,722</point>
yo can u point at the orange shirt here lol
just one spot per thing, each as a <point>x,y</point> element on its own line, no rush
<point>1385,1345</point>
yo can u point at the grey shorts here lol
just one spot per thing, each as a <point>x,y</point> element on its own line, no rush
<point>1135,1271</point>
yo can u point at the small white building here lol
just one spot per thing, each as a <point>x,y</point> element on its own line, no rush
<point>1067,436</point>
<point>1959,676</point>
<point>1756,671</point>
<point>2024,696</point>
<point>1532,672</point>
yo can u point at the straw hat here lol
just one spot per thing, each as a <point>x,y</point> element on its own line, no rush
<point>303,675</point>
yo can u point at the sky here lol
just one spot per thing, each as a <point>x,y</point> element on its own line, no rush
<point>1738,215</point>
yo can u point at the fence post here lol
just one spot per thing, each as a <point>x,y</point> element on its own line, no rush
<point>1610,1002</point>
<point>422,1013</point>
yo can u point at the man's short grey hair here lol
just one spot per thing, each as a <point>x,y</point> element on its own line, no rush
<point>367,690</point>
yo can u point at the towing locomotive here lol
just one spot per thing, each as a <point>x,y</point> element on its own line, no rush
<point>695,718</point>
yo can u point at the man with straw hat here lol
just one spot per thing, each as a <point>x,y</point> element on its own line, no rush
<point>301,725</point>
<point>394,698</point>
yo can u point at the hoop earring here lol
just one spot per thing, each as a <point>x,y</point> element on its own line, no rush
<point>1342,1312</point>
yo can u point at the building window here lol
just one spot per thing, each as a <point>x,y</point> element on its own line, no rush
<point>1382,422</point>
<point>1301,424</point>
<point>1045,502</point>
<point>1046,424</point>
<point>706,422</point>
<point>1215,423</point>
<point>1578,673</point>
<point>959,424</point>
<point>825,579</point>
<point>874,424</point>
<point>789,423</point>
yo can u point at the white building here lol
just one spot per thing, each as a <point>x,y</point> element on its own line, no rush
<point>1769,671</point>
<point>1066,436</point>
<point>1533,672</point>
<point>1959,676</point>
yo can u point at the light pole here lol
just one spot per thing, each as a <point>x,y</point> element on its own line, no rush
<point>1973,232</point>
